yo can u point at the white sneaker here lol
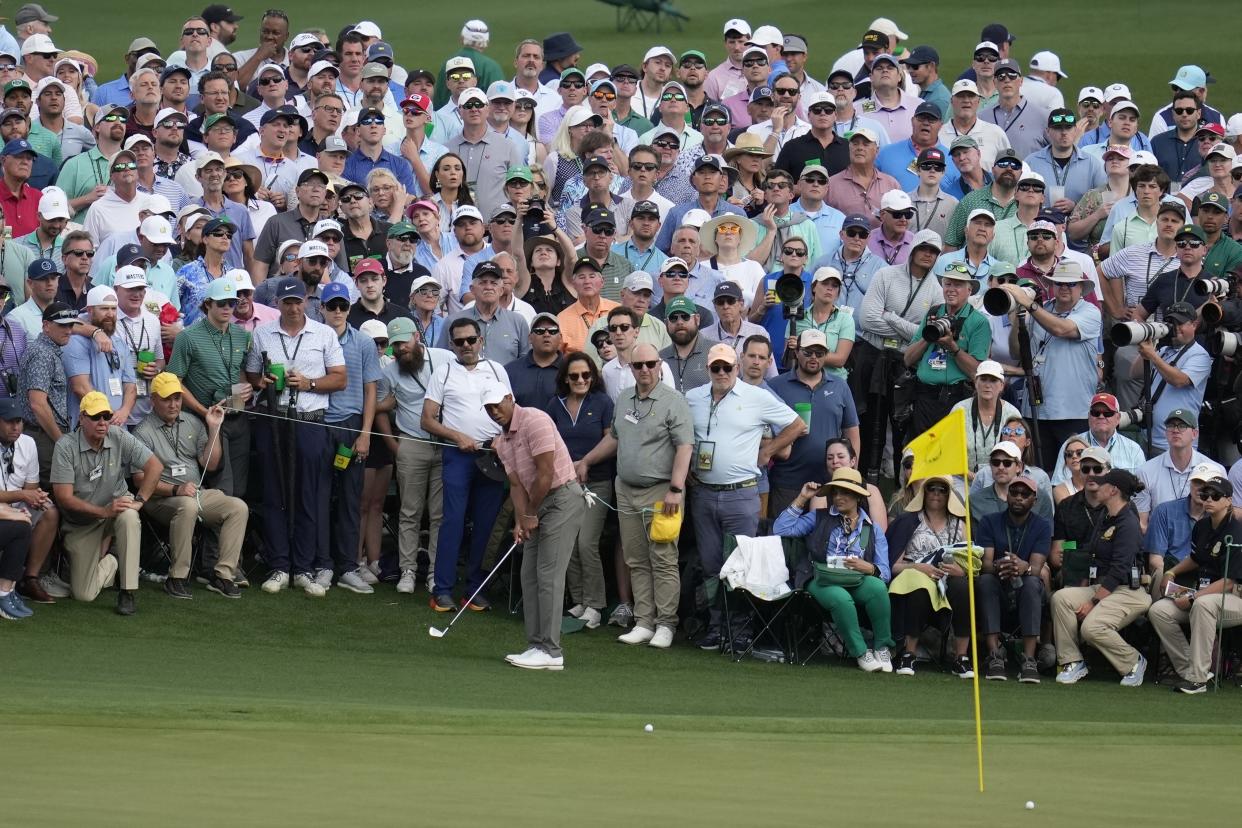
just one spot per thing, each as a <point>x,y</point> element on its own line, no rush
<point>1072,673</point>
<point>408,582</point>
<point>663,638</point>
<point>323,577</point>
<point>354,582</point>
<point>885,658</point>
<point>868,663</point>
<point>1134,678</point>
<point>366,573</point>
<point>512,657</point>
<point>538,660</point>
<point>592,617</point>
<point>54,586</point>
<point>276,582</point>
<point>576,610</point>
<point>309,585</point>
<point>638,635</point>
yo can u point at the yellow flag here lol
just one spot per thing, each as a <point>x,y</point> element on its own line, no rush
<point>941,450</point>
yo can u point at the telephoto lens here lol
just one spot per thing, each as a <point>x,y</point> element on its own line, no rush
<point>998,302</point>
<point>1132,333</point>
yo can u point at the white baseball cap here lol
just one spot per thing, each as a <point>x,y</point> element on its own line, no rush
<point>129,276</point>
<point>767,36</point>
<point>1116,92</point>
<point>895,201</point>
<point>101,296</point>
<point>738,25</point>
<point>1122,105</point>
<point>1233,127</point>
<point>1092,92</point>
<point>54,204</point>
<point>639,280</point>
<point>321,65</point>
<point>466,211</point>
<point>313,247</point>
<point>156,230</point>
<point>206,158</point>
<point>374,329</point>
<point>966,85</point>
<point>1028,174</point>
<point>458,62</point>
<point>695,218</point>
<point>241,279</point>
<point>659,51</point>
<point>169,112</point>
<point>40,44</point>
<point>1047,62</point>
<point>324,225</point>
<point>474,93</point>
<point>368,29</point>
<point>990,368</point>
<point>888,27</point>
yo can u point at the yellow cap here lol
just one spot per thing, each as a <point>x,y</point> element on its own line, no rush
<point>165,385</point>
<point>94,403</point>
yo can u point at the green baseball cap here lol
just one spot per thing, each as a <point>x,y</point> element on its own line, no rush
<point>692,53</point>
<point>1002,269</point>
<point>17,83</point>
<point>401,329</point>
<point>401,228</point>
<point>212,120</point>
<point>1191,230</point>
<point>680,304</point>
<point>963,142</point>
<point>573,70</point>
<point>521,173</point>
<point>1185,415</point>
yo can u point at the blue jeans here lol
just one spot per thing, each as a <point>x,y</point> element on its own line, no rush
<point>715,513</point>
<point>466,491</point>
<point>346,497</point>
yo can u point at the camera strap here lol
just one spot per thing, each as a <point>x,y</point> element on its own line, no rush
<point>1173,362</point>
<point>914,291</point>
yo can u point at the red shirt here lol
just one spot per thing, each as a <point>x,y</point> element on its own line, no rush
<point>21,212</point>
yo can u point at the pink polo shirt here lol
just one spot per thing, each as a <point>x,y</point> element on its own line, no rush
<point>531,432</point>
<point>261,314</point>
<point>848,196</point>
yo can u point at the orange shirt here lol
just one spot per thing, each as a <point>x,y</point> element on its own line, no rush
<point>576,320</point>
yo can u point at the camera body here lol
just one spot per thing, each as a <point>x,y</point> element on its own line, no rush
<point>937,327</point>
<point>534,223</point>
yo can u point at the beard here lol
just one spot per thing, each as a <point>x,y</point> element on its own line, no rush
<point>411,362</point>
<point>107,325</point>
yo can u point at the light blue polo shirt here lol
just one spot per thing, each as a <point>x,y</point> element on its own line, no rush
<point>735,426</point>
<point>1068,374</point>
<point>361,366</point>
<point>1196,364</point>
<point>82,356</point>
<point>856,274</point>
<point>827,221</point>
<point>898,161</point>
<point>1082,173</point>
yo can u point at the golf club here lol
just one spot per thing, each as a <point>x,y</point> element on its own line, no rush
<point>436,632</point>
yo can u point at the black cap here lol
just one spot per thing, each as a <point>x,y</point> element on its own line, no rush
<point>624,69</point>
<point>920,55</point>
<point>10,409</point>
<point>1061,112</point>
<point>420,73</point>
<point>1180,312</point>
<point>130,253</point>
<point>220,13</point>
<point>997,33</point>
<point>370,112</point>
<point>587,262</point>
<point>645,208</point>
<point>596,161</point>
<point>707,161</point>
<point>928,108</point>
<point>491,269</point>
<point>1125,482</point>
<point>874,39</point>
<point>596,216</point>
<point>727,289</point>
<point>59,312</point>
<point>313,172</point>
<point>1054,216</point>
<point>932,155</point>
<point>1220,484</point>
<point>717,108</point>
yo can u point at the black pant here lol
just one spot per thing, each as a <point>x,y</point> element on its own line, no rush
<point>1052,433</point>
<point>933,402</point>
<point>14,544</point>
<point>875,409</point>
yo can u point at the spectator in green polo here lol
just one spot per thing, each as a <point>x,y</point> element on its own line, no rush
<point>1211,212</point>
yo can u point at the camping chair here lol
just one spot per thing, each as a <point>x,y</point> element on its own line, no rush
<point>644,14</point>
<point>772,618</point>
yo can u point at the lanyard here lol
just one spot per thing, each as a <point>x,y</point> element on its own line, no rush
<point>1163,265</point>
<point>848,277</point>
<point>176,436</point>
<point>918,212</point>
<point>1012,120</point>
<point>1014,548</point>
<point>129,335</point>
<point>713,404</point>
<point>297,345</point>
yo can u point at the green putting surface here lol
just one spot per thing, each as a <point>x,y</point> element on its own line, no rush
<point>287,710</point>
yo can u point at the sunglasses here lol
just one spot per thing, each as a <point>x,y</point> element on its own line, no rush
<point>905,215</point>
<point>572,85</point>
<point>427,291</point>
<point>624,79</point>
<point>232,303</point>
<point>269,81</point>
<point>668,145</point>
<point>1013,432</point>
<point>1210,494</point>
<point>193,30</point>
<point>678,317</point>
<point>1060,120</point>
<point>720,368</point>
<point>619,328</point>
<point>857,233</point>
<point>225,67</point>
<point>113,118</point>
<point>228,234</point>
<point>1090,103</point>
<point>936,488</point>
<point>1007,280</point>
<point>289,257</point>
<point>1005,76</point>
<point>1236,175</point>
<point>466,105</point>
<point>645,365</point>
<point>1009,164</point>
<point>350,199</point>
<point>644,166</point>
<point>772,185</point>
<point>1090,468</point>
<point>604,230</point>
<point>1002,462</point>
<point>1030,188</point>
<point>465,341</point>
<point>1021,492</point>
<point>542,331</point>
<point>676,274</point>
<point>787,91</point>
<point>102,415</point>
<point>525,106</point>
<point>986,59</point>
<point>755,62</point>
<point>1073,454</point>
<point>234,175</point>
<point>672,96</point>
<point>123,166</point>
<point>792,251</point>
<point>1193,244</point>
<point>1041,235</point>
<point>574,376</point>
<point>8,67</point>
<point>928,166</point>
<point>823,109</point>
<point>1185,110</point>
<point>841,85</point>
<point>717,121</point>
<point>725,300</point>
<point>1101,413</point>
<point>815,179</point>
<point>337,305</point>
<point>460,76</point>
<point>729,230</point>
<point>603,95</point>
<point>90,254</point>
<point>908,463</point>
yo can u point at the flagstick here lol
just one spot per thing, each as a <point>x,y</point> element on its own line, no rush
<point>970,584</point>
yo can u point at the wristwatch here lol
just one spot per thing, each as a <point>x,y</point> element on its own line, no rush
<point>139,499</point>
<point>675,489</point>
<point>312,385</point>
<point>1095,600</point>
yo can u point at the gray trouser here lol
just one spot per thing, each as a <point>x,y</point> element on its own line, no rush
<point>586,573</point>
<point>421,487</point>
<point>989,596</point>
<point>715,513</point>
<point>233,476</point>
<point>545,557</point>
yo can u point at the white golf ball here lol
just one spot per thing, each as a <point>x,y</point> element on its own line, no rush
<point>1030,806</point>
<point>650,728</point>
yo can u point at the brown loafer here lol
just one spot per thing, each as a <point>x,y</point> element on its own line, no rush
<point>29,587</point>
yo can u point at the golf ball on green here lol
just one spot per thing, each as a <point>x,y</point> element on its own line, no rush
<point>1030,806</point>
<point>649,728</point>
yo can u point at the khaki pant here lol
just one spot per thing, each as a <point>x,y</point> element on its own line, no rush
<point>420,484</point>
<point>654,577</point>
<point>1102,627</point>
<point>586,571</point>
<point>227,514</point>
<point>544,559</point>
<point>84,543</point>
<point>1193,659</point>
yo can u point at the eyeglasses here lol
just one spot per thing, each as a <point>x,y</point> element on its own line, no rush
<point>572,85</point>
<point>233,175</point>
<point>729,230</point>
<point>1090,103</point>
<point>936,488</point>
<point>928,166</point>
<point>1009,164</point>
<point>624,79</point>
<point>958,267</point>
<point>839,85</point>
<point>543,331</point>
<point>1185,110</point>
<point>672,96</point>
<point>113,118</point>
<point>1236,175</point>
<point>465,341</point>
<point>1176,426</point>
<point>270,81</point>
<point>904,215</point>
<point>750,62</point>
<point>773,185</point>
<point>678,317</point>
<point>524,106</point>
<point>467,105</point>
<point>823,109</point>
<point>792,251</point>
<point>427,291</point>
<point>676,274</point>
<point>1210,494</point>
<point>90,254</point>
<point>289,257</point>
<point>232,303</point>
<point>333,110</point>
<point>666,145</point>
<point>1090,468</point>
<point>193,30</point>
<point>815,179</point>
<point>8,67</point>
<point>717,121</point>
<point>1064,119</point>
<point>857,233</point>
<point>460,76</point>
<point>720,367</point>
<point>124,165</point>
<point>1013,431</point>
<point>1002,462</point>
<point>225,67</point>
<point>1101,413</point>
<point>1030,188</point>
<point>644,166</point>
<point>645,365</point>
<point>986,58</point>
<point>408,238</point>
<point>1193,244</point>
<point>102,415</point>
<point>619,328</point>
<point>574,376</point>
<point>1006,279</point>
<point>1072,454</point>
<point>604,95</point>
<point>786,91</point>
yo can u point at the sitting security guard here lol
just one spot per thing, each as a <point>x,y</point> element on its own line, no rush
<point>960,338</point>
<point>99,516</point>
<point>185,446</point>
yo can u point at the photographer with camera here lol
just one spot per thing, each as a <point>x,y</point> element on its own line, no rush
<point>898,297</point>
<point>955,339</point>
<point>1062,334</point>
<point>1181,365</point>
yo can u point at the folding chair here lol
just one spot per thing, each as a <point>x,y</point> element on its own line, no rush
<point>772,617</point>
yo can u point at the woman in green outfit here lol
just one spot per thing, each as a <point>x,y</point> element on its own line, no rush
<point>847,562</point>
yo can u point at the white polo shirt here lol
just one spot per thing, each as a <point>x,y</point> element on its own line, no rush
<point>25,465</point>
<point>990,138</point>
<point>459,393</point>
<point>112,214</point>
<point>312,351</point>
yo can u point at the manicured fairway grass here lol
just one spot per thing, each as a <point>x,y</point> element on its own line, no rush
<point>292,711</point>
